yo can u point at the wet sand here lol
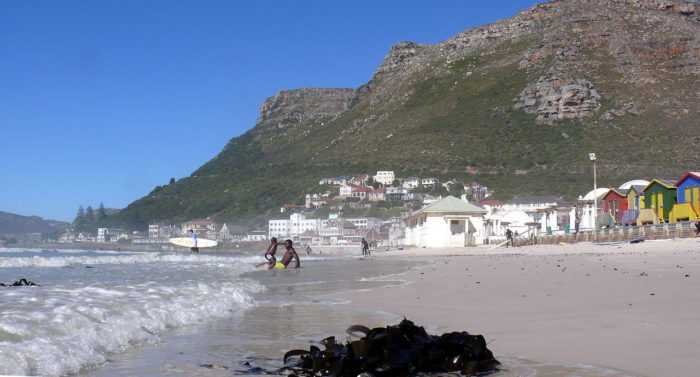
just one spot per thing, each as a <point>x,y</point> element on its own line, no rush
<point>630,307</point>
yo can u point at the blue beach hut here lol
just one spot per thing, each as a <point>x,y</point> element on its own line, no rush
<point>688,189</point>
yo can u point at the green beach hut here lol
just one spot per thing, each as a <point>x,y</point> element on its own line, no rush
<point>660,195</point>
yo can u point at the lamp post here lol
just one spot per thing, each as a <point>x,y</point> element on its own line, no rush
<point>591,156</point>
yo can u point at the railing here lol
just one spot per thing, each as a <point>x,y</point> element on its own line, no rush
<point>685,229</point>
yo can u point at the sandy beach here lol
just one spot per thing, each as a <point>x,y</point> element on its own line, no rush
<point>630,307</point>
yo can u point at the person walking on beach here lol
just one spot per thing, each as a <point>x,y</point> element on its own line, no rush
<point>577,222</point>
<point>270,253</point>
<point>308,249</point>
<point>697,228</point>
<point>365,247</point>
<point>509,238</point>
<point>194,247</point>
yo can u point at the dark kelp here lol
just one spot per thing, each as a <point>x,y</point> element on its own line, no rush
<point>19,283</point>
<point>396,351</point>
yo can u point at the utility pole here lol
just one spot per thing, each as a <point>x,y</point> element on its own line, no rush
<point>592,157</point>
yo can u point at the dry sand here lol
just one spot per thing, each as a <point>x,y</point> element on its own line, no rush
<point>631,307</point>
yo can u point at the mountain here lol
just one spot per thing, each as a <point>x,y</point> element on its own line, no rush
<point>515,105</point>
<point>12,224</point>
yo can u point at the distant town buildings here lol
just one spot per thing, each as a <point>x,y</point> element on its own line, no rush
<point>385,177</point>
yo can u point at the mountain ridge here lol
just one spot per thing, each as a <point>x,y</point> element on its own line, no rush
<point>516,104</point>
<point>14,224</point>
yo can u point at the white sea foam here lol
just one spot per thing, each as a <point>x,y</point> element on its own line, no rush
<point>77,317</point>
<point>108,258</point>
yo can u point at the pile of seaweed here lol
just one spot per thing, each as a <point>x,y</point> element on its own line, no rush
<point>396,351</point>
<point>19,283</point>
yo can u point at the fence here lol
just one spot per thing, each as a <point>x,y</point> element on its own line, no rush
<point>685,229</point>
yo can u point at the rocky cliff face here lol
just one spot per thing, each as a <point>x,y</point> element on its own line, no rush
<point>290,107</point>
<point>570,38</point>
<point>515,105</point>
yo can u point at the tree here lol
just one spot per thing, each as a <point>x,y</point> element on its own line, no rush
<point>79,223</point>
<point>457,189</point>
<point>396,183</point>
<point>172,180</point>
<point>89,216</point>
<point>101,212</point>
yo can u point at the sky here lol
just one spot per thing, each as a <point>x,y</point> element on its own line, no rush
<point>101,101</point>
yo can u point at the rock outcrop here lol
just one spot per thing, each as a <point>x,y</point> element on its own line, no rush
<point>290,107</point>
<point>553,97</point>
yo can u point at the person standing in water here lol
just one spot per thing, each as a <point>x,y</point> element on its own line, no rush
<point>270,253</point>
<point>194,247</point>
<point>288,256</point>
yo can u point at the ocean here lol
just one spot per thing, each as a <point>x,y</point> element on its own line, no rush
<point>123,313</point>
<point>117,312</point>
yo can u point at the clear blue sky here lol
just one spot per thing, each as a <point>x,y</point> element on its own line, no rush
<point>101,101</point>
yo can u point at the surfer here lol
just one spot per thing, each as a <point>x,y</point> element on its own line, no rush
<point>194,248</point>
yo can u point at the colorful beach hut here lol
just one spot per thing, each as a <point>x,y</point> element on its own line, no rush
<point>688,189</point>
<point>615,203</point>
<point>647,216</point>
<point>635,197</point>
<point>660,195</point>
<point>687,205</point>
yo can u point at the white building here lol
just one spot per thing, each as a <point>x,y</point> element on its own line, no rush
<point>411,183</point>
<point>429,182</point>
<point>111,235</point>
<point>292,228</point>
<point>531,203</point>
<point>385,177</point>
<point>449,222</point>
<point>346,190</point>
<point>366,223</point>
<point>153,231</point>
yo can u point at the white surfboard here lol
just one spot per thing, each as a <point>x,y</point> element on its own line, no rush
<point>189,242</point>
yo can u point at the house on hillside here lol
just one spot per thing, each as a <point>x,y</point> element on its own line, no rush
<point>317,200</point>
<point>615,203</point>
<point>385,177</point>
<point>360,192</point>
<point>429,182</point>
<point>476,191</point>
<point>396,193</point>
<point>339,181</point>
<point>326,181</point>
<point>411,183</point>
<point>346,190</point>
<point>360,180</point>
<point>377,195</point>
<point>660,195</point>
<point>449,222</point>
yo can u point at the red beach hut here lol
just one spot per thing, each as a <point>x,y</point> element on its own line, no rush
<point>615,203</point>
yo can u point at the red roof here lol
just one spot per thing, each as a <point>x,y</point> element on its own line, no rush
<point>693,173</point>
<point>290,206</point>
<point>361,189</point>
